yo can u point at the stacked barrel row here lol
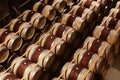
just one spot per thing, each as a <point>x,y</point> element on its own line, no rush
<point>26,31</point>
<point>46,38</point>
<point>94,56</point>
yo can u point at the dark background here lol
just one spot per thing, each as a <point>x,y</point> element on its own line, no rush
<point>10,9</point>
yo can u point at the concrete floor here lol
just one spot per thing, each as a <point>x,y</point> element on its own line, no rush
<point>114,72</point>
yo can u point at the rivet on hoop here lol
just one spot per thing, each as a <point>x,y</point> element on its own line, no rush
<point>98,41</point>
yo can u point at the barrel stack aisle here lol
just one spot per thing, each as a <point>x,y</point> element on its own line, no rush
<point>59,40</point>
